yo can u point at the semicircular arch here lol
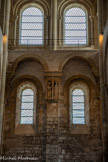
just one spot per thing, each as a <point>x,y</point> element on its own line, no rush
<point>89,61</point>
<point>20,4</point>
<point>24,58</point>
<point>86,4</point>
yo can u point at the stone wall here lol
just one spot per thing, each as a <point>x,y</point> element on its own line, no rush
<point>1,54</point>
<point>54,140</point>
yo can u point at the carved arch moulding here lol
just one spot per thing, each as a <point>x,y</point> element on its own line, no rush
<point>21,3</point>
<point>87,4</point>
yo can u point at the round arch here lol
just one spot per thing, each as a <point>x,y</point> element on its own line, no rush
<point>11,87</point>
<point>24,4</point>
<point>27,78</point>
<point>85,5</point>
<point>11,97</point>
<point>88,8</point>
<point>90,62</point>
<point>17,10</point>
<point>23,58</point>
<point>79,79</point>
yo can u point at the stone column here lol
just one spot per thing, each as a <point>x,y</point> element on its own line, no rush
<point>107,9</point>
<point>92,30</point>
<point>100,15</point>
<point>15,29</point>
<point>46,31</point>
<point>54,24</point>
<point>5,61</point>
<point>60,31</point>
<point>2,14</point>
<point>101,72</point>
<point>0,4</point>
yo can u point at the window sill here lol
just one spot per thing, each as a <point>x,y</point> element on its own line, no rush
<point>24,129</point>
<point>77,47</point>
<point>80,129</point>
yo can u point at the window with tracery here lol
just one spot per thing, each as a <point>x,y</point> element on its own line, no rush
<point>32,27</point>
<point>75,27</point>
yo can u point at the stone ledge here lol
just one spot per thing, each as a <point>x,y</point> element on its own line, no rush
<point>80,129</point>
<point>24,129</point>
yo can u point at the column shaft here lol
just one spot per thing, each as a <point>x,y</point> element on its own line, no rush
<point>100,15</point>
<point>5,62</point>
<point>54,24</point>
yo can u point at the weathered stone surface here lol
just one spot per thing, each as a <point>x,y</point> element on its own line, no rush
<point>52,137</point>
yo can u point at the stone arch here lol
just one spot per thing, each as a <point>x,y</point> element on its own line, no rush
<point>23,58</point>
<point>79,78</point>
<point>23,78</point>
<point>89,61</point>
<point>88,8</point>
<point>11,86</point>
<point>11,96</point>
<point>19,4</point>
<point>87,4</point>
<point>17,9</point>
<point>93,94</point>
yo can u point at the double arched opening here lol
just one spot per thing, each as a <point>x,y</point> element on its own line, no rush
<point>34,25</point>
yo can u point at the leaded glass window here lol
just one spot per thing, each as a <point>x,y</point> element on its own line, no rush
<point>78,106</point>
<point>31,28</point>
<point>75,27</point>
<point>27,106</point>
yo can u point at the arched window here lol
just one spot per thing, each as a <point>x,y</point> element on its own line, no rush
<point>78,106</point>
<point>31,27</point>
<point>75,27</point>
<point>27,106</point>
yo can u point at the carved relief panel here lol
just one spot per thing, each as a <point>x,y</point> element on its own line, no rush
<point>53,87</point>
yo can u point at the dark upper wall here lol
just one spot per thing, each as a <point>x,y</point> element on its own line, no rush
<point>105,12</point>
<point>102,12</point>
<point>2,14</point>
